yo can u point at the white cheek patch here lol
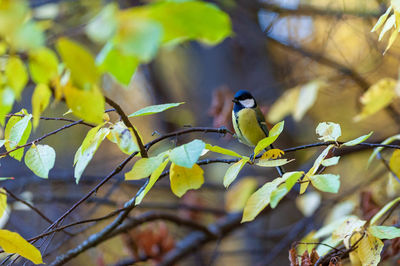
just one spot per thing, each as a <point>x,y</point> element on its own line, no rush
<point>248,103</point>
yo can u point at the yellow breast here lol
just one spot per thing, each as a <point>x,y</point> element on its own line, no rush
<point>250,132</point>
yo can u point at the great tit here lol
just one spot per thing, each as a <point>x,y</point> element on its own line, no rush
<point>248,120</point>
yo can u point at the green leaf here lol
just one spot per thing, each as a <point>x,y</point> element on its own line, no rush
<point>272,163</point>
<point>40,159</point>
<point>103,27</point>
<point>2,142</point>
<point>272,136</point>
<point>382,211</point>
<point>153,109</point>
<point>28,36</point>
<point>79,61</point>
<point>183,179</point>
<point>12,15</point>
<point>12,242</point>
<point>40,100</point>
<point>187,155</point>
<point>153,179</point>
<point>278,194</point>
<point>14,129</point>
<point>119,65</point>
<point>89,139</point>
<point>87,154</point>
<point>7,99</point>
<point>233,171</point>
<point>220,150</point>
<point>191,20</point>
<point>43,65</point>
<point>17,75</point>
<point>138,36</point>
<point>123,137</point>
<point>144,167</point>
<point>379,149</point>
<point>384,232</point>
<point>331,161</point>
<point>328,131</point>
<point>86,104</point>
<point>358,140</point>
<point>327,182</point>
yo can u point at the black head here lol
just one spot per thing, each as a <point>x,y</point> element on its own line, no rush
<point>243,99</point>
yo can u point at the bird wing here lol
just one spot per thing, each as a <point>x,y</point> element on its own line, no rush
<point>261,121</point>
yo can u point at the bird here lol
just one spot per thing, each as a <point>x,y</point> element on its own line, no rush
<point>248,121</point>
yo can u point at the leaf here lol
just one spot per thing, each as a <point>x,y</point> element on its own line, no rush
<point>307,96</point>
<point>328,131</point>
<point>284,105</point>
<point>260,199</point>
<point>381,20</point>
<point>138,36</point>
<point>103,27</point>
<point>346,229</point>
<point>377,97</point>
<point>123,137</point>
<point>328,229</point>
<point>6,102</point>
<point>394,162</point>
<point>326,245</point>
<point>187,155</point>
<point>220,150</point>
<point>3,201</point>
<point>377,150</point>
<point>278,194</point>
<point>272,163</point>
<point>237,196</point>
<point>80,62</point>
<point>12,242</point>
<point>183,179</point>
<point>369,250</point>
<point>17,132</point>
<point>327,182</point>
<point>358,140</point>
<point>306,244</point>
<point>43,65</point>
<point>331,161</point>
<point>233,171</point>
<point>40,159</point>
<point>87,154</point>
<point>88,140</point>
<point>308,203</point>
<point>40,100</point>
<point>390,23</point>
<point>272,153</point>
<point>191,20</point>
<point>2,142</point>
<point>153,109</point>
<point>382,211</point>
<point>119,65</point>
<point>144,168</point>
<point>392,38</point>
<point>85,104</point>
<point>17,75</point>
<point>28,36</point>
<point>272,136</point>
<point>384,232</point>
<point>153,179</point>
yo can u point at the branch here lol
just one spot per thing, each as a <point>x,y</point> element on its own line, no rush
<point>55,119</point>
<point>128,124</point>
<point>303,10</point>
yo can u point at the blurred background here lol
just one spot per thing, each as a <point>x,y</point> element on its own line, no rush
<point>276,46</point>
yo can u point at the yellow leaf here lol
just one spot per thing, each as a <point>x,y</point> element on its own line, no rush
<point>369,250</point>
<point>233,171</point>
<point>377,97</point>
<point>237,196</point>
<point>183,179</point>
<point>43,65</point>
<point>347,228</point>
<point>79,61</point>
<point>390,23</point>
<point>392,38</point>
<point>153,179</point>
<point>307,96</point>
<point>85,104</point>
<point>40,100</point>
<point>284,105</point>
<point>13,243</point>
<point>143,168</point>
<point>272,153</point>
<point>394,162</point>
<point>17,76</point>
<point>3,201</point>
<point>395,4</point>
<point>307,243</point>
<point>382,19</point>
